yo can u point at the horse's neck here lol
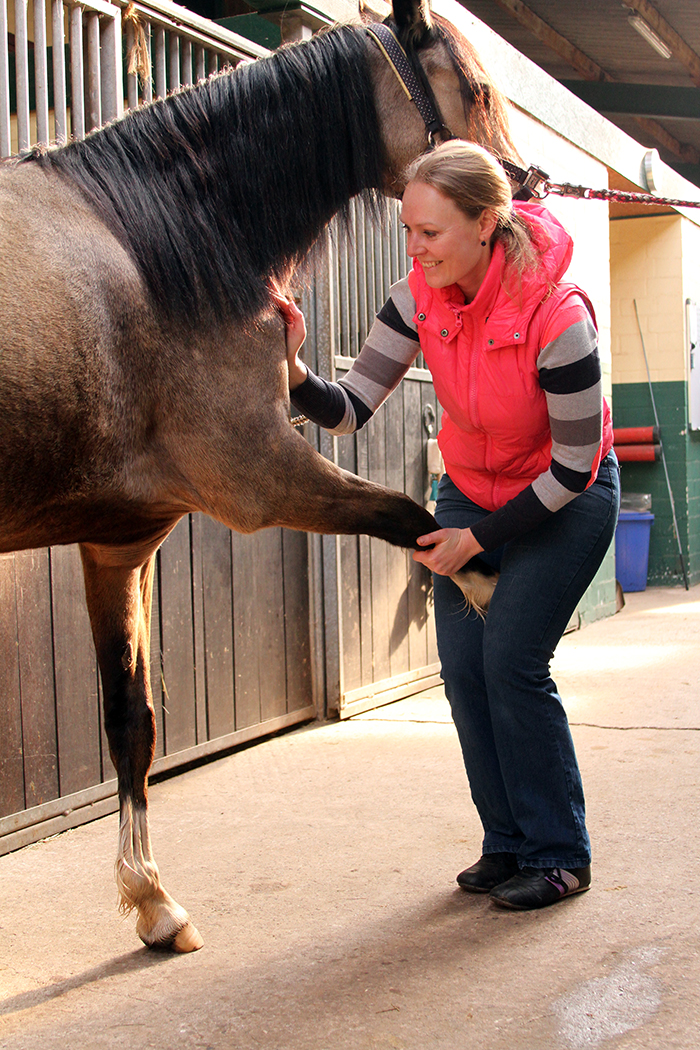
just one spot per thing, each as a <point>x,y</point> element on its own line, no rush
<point>222,186</point>
<point>304,137</point>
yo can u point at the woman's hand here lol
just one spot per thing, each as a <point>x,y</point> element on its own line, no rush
<point>452,549</point>
<point>295,333</point>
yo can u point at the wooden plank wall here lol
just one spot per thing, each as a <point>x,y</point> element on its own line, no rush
<point>230,649</point>
<point>384,608</point>
<point>385,612</point>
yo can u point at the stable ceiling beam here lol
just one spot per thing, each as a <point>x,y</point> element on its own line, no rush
<point>590,70</point>
<point>680,50</point>
<point>646,100</point>
<point>576,58</point>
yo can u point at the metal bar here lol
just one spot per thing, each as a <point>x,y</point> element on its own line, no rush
<point>360,263</point>
<point>200,63</point>
<point>41,73</point>
<point>94,97</point>
<point>342,297</point>
<point>60,114</point>
<point>132,80</point>
<point>148,85</point>
<point>159,63</point>
<point>5,139</point>
<point>186,74</point>
<point>111,70</point>
<point>102,7</point>
<point>199,29</point>
<point>173,60</point>
<point>77,73</point>
<point>349,250</point>
<point>646,100</point>
<point>22,67</point>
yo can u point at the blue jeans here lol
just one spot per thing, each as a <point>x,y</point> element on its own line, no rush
<point>512,727</point>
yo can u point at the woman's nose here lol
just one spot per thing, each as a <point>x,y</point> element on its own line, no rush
<point>413,246</point>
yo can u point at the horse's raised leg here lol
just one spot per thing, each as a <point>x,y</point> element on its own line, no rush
<point>304,491</point>
<point>119,602</point>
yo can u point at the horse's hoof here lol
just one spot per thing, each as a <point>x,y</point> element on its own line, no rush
<point>188,939</point>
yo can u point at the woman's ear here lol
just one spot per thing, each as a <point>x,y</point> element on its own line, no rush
<point>488,221</point>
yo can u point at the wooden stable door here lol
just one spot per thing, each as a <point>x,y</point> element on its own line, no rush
<point>230,661</point>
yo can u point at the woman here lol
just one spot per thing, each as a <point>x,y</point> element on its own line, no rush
<point>531,485</point>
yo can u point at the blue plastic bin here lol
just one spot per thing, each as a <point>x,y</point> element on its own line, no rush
<point>632,549</point>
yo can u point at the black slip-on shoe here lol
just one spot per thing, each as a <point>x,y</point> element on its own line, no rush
<point>490,871</point>
<point>538,887</point>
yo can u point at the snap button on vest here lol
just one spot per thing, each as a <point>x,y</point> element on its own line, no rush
<point>490,342</point>
<point>421,317</point>
<point>444,333</point>
<point>517,335</point>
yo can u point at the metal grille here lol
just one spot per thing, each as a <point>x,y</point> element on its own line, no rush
<point>364,267</point>
<point>64,66</point>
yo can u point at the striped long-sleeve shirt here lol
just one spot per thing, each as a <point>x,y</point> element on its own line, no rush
<point>569,374</point>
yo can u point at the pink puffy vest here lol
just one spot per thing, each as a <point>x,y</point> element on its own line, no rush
<point>495,437</point>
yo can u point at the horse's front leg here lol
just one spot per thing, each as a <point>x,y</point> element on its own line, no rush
<point>119,602</point>
<point>307,492</point>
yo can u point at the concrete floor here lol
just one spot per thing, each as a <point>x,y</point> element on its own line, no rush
<point>319,867</point>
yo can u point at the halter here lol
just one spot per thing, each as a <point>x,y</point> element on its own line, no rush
<point>411,76</point>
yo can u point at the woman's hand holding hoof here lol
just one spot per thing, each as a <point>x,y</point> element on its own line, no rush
<point>452,548</point>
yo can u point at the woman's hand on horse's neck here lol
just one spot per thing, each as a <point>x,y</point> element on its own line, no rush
<point>295,327</point>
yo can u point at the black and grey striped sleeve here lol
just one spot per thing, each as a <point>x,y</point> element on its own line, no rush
<point>388,352</point>
<point>570,375</point>
<point>329,405</point>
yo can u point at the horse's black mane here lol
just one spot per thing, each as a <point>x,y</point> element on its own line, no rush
<point>220,186</point>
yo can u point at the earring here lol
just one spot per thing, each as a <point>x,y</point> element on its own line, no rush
<point>483,244</point>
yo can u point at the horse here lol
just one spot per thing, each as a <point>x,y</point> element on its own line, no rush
<point>143,362</point>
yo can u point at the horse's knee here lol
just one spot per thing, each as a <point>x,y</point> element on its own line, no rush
<point>130,726</point>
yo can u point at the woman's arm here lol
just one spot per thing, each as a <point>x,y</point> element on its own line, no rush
<point>389,351</point>
<point>570,375</point>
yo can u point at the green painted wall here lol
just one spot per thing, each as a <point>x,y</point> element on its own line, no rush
<point>599,599</point>
<point>633,407</point>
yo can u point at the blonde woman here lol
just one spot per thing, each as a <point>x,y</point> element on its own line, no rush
<point>531,485</point>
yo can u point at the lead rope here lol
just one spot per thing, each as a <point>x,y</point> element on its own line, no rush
<point>537,182</point>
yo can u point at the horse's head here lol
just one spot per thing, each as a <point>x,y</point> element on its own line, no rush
<point>469,103</point>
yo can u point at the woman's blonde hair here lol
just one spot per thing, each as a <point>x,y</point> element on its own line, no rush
<point>473,179</point>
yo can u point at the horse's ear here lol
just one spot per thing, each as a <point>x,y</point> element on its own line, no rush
<point>413,20</point>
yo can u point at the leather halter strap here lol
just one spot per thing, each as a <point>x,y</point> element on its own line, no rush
<point>411,76</point>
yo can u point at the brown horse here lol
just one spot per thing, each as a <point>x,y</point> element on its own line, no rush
<point>143,366</point>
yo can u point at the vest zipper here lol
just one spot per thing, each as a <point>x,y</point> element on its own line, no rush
<point>473,376</point>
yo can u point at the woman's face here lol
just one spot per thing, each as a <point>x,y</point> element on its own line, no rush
<point>444,240</point>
